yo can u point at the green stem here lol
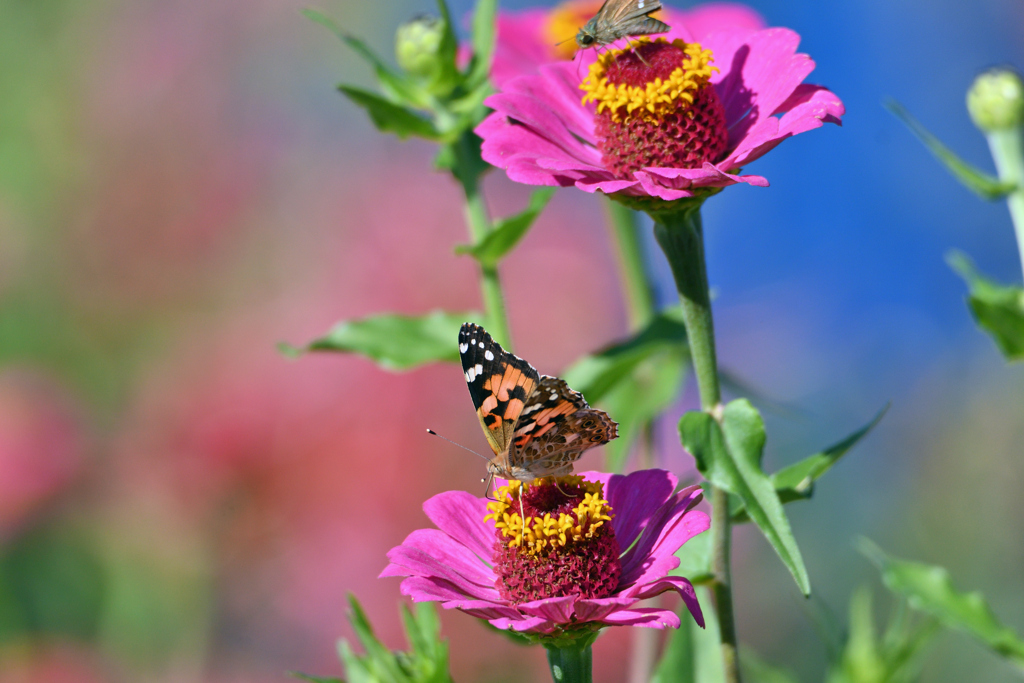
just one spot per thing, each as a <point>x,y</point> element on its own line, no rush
<point>626,231</point>
<point>681,236</point>
<point>1008,152</point>
<point>468,172</point>
<point>571,664</point>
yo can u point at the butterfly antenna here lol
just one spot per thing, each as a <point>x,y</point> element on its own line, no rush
<point>431,431</point>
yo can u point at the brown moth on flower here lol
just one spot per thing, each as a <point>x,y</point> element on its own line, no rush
<point>620,19</point>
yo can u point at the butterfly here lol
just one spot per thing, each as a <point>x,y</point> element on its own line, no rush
<point>535,424</point>
<point>619,19</point>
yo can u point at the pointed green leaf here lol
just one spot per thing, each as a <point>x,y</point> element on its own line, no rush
<point>378,659</point>
<point>930,589</point>
<point>596,375</point>
<point>389,117</point>
<point>394,85</point>
<point>693,654</point>
<point>796,482</point>
<point>997,309</point>
<point>984,185</point>
<point>448,49</point>
<point>508,231</point>
<point>484,32</point>
<point>313,679</point>
<point>729,456</point>
<point>395,342</point>
<point>756,670</point>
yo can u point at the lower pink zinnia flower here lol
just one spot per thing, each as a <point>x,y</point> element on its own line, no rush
<point>568,570</point>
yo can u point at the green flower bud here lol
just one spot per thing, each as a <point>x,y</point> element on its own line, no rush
<point>996,100</point>
<point>417,43</point>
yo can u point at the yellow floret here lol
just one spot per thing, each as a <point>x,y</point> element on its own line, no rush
<point>549,531</point>
<point>623,100</point>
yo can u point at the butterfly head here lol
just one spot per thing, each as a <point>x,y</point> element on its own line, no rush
<point>585,37</point>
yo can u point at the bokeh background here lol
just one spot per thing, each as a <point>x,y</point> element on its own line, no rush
<point>181,188</point>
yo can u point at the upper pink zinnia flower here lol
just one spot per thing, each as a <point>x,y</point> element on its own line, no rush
<point>567,571</point>
<point>531,38</point>
<point>661,120</point>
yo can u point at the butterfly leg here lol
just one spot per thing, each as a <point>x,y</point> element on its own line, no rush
<point>487,486</point>
<point>633,48</point>
<point>522,510</point>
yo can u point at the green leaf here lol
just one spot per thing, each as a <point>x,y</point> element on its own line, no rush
<point>897,657</point>
<point>450,76</point>
<point>427,662</point>
<point>394,85</point>
<point>728,454</point>
<point>484,32</point>
<point>693,654</point>
<point>929,589</point>
<point>598,374</point>
<point>389,117</point>
<point>395,342</point>
<point>635,380</point>
<point>997,309</point>
<point>313,679</point>
<point>796,482</point>
<point>507,232</point>
<point>979,182</point>
<point>756,670</point>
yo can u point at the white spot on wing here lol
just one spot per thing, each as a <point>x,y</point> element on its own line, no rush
<point>554,397</point>
<point>478,370</point>
<point>530,408</point>
<point>472,341</point>
<point>481,345</point>
<point>471,374</point>
<point>463,348</point>
<point>488,355</point>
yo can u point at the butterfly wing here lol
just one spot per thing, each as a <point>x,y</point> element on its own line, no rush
<point>554,429</point>
<point>499,383</point>
<point>618,18</point>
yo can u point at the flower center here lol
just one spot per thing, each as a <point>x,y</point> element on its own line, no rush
<point>564,21</point>
<point>566,546</point>
<point>656,106</point>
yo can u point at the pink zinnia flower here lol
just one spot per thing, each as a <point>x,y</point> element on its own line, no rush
<point>530,38</point>
<point>663,120</point>
<point>568,571</point>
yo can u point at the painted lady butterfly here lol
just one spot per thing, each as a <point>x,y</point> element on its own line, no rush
<point>536,425</point>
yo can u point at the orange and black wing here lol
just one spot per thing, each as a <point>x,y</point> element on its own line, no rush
<point>555,428</point>
<point>500,384</point>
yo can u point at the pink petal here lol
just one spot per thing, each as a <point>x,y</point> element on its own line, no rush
<point>596,609</point>
<point>713,17</point>
<point>432,553</point>
<point>678,584</point>
<point>556,610</point>
<point>522,625</point>
<point>461,515</point>
<point>651,617</point>
<point>635,498</point>
<point>421,588</point>
<point>669,528</point>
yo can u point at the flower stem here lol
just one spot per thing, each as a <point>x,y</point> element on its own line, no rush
<point>1007,147</point>
<point>626,231</point>
<point>468,170</point>
<point>681,236</point>
<point>572,663</point>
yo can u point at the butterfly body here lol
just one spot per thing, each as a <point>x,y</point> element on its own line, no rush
<point>535,424</point>
<point>620,19</point>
